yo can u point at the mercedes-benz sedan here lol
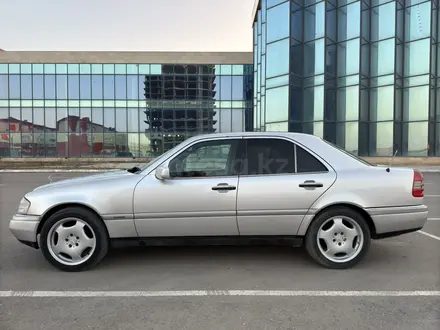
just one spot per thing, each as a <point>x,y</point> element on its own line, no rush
<point>236,188</point>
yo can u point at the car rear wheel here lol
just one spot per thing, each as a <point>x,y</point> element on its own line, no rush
<point>74,239</point>
<point>338,238</point>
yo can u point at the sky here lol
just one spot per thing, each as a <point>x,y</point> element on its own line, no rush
<point>126,25</point>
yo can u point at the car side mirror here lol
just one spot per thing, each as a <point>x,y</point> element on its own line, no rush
<point>162,173</point>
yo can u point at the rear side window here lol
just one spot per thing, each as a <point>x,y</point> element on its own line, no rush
<point>307,163</point>
<point>269,156</point>
<point>277,156</point>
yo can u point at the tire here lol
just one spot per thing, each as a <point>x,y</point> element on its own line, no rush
<point>339,235</point>
<point>77,232</point>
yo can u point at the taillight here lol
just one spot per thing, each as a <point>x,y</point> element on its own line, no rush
<point>417,190</point>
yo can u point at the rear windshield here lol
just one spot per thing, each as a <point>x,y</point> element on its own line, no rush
<point>359,159</point>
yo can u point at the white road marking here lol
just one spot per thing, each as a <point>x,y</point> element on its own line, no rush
<point>433,219</point>
<point>210,293</point>
<point>429,235</point>
<point>433,196</point>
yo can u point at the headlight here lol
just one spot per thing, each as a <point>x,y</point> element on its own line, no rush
<point>23,207</point>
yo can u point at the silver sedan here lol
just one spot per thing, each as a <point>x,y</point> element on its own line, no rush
<point>237,188</point>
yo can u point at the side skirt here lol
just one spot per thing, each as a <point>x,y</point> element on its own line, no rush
<point>295,241</point>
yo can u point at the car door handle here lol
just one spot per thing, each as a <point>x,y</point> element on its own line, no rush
<point>223,186</point>
<point>311,184</point>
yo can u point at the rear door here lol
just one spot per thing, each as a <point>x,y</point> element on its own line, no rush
<point>280,181</point>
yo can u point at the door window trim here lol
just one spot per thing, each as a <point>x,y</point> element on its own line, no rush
<point>295,143</point>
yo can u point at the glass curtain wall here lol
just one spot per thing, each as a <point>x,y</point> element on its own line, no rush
<point>362,74</point>
<point>118,110</point>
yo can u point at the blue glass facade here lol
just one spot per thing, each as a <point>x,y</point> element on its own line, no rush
<point>118,110</point>
<point>363,74</point>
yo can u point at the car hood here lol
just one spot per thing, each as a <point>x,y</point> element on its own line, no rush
<point>86,179</point>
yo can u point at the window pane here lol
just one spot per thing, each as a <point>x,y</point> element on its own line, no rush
<point>348,104</point>
<point>278,22</point>
<point>271,3</point>
<point>277,58</point>
<point>225,120</point>
<point>307,163</point>
<point>417,57</point>
<point>50,119</point>
<point>238,120</point>
<point>73,83</point>
<point>418,21</point>
<point>61,68</point>
<point>121,120</point>
<point>61,87</point>
<point>109,118</point>
<point>109,87</point>
<point>382,58</point>
<point>49,87</point>
<point>313,104</point>
<point>14,87</point>
<point>347,136</point>
<point>382,103</point>
<point>132,87</point>
<point>26,87</point>
<point>349,21</point>
<point>205,159</point>
<point>269,156</point>
<point>415,139</point>
<point>98,120</point>
<point>226,87</point>
<point>85,87</point>
<point>3,69</point>
<point>121,87</point>
<point>383,20</point>
<point>38,87</point>
<point>97,87</point>
<point>4,87</point>
<point>296,25</point>
<point>314,19</point>
<point>237,87</point>
<point>416,103</point>
<point>277,104</point>
<point>314,58</point>
<point>348,57</point>
<point>381,139</point>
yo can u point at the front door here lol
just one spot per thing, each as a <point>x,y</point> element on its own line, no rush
<point>199,199</point>
<point>281,181</point>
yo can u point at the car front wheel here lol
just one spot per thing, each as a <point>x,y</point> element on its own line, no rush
<point>338,238</point>
<point>74,239</point>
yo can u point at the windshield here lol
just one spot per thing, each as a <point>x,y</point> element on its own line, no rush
<point>349,153</point>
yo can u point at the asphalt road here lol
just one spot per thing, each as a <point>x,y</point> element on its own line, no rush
<point>409,263</point>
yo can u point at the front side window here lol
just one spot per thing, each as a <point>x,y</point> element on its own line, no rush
<point>205,159</point>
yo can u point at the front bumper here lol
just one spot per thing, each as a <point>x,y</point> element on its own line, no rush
<point>398,219</point>
<point>24,228</point>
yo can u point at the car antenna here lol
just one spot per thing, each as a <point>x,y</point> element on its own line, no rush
<point>391,161</point>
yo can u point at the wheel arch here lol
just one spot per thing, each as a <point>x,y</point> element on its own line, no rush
<point>51,211</point>
<point>351,206</point>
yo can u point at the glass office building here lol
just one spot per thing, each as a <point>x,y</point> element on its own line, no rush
<point>118,109</point>
<point>362,74</point>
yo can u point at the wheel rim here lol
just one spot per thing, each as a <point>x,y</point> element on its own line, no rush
<point>340,239</point>
<point>71,241</point>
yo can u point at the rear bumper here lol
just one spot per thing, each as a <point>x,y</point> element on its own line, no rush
<point>398,219</point>
<point>24,228</point>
